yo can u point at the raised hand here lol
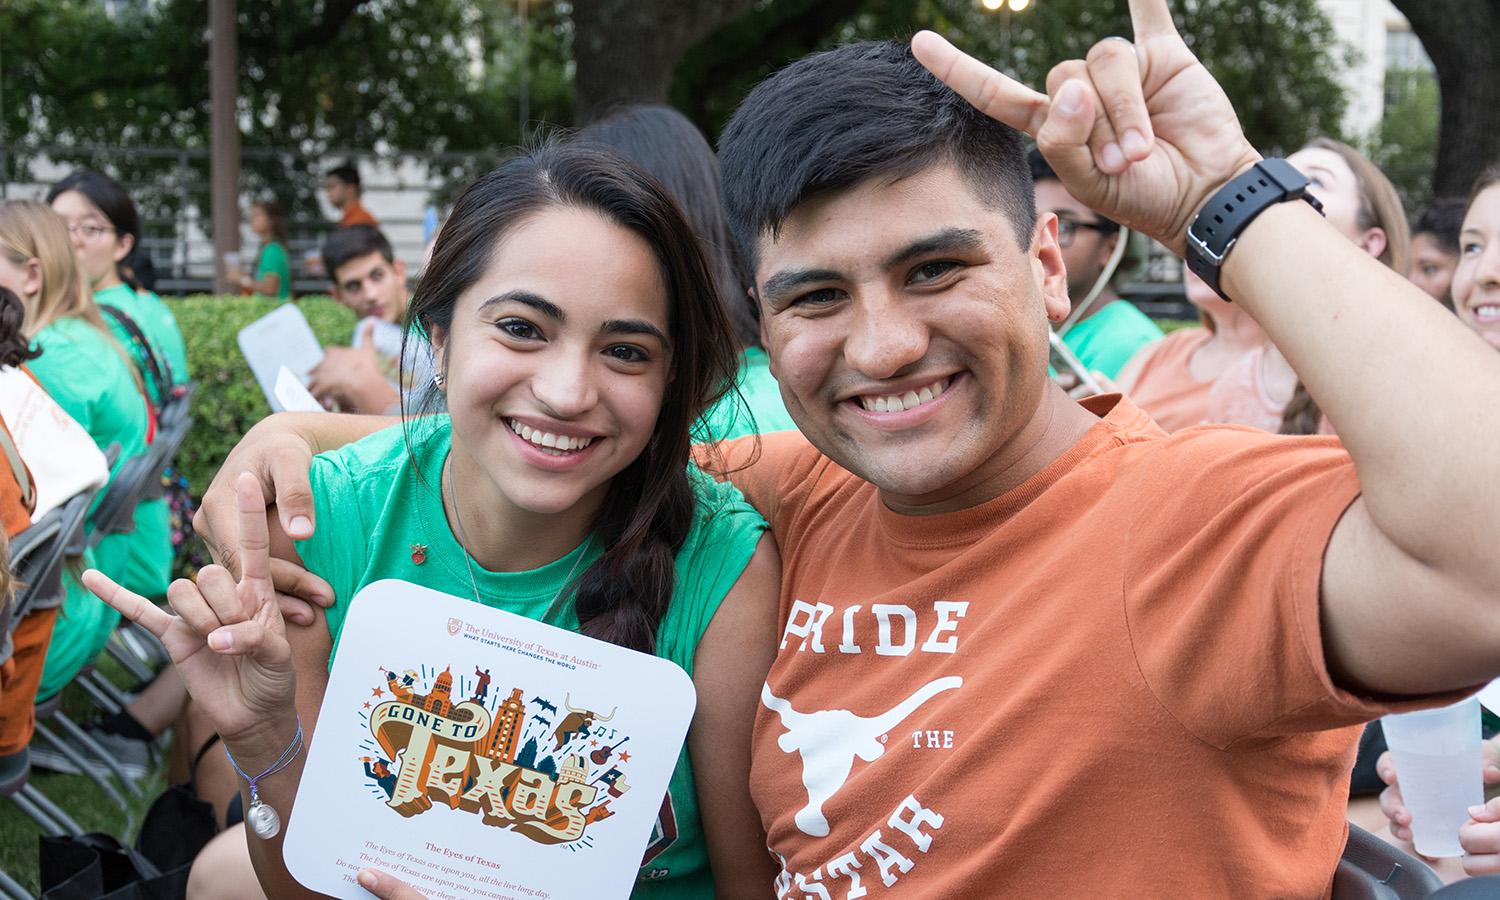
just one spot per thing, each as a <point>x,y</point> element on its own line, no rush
<point>278,457</point>
<point>1139,132</point>
<point>227,640</point>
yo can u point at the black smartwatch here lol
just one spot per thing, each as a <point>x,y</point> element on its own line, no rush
<point>1236,205</point>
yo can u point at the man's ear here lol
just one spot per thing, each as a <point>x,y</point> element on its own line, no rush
<point>1048,268</point>
<point>337,295</point>
<point>1107,249</point>
<point>399,267</point>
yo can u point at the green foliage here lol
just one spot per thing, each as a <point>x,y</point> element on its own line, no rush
<point>1405,146</point>
<point>371,76</point>
<point>1275,58</point>
<point>229,400</point>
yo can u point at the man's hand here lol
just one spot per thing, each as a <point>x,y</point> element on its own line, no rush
<point>278,456</point>
<point>1139,132</point>
<point>351,377</point>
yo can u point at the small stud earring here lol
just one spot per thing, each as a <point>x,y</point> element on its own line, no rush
<point>437,379</point>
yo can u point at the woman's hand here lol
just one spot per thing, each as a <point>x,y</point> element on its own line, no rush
<point>227,640</point>
<point>1479,837</point>
<point>387,886</point>
<point>1139,132</point>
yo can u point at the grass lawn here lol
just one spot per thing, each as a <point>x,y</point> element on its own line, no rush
<point>78,797</point>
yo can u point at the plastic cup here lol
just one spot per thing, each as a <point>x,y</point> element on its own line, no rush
<point>1440,770</point>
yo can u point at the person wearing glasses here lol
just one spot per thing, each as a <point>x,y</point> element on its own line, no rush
<point>1102,330</point>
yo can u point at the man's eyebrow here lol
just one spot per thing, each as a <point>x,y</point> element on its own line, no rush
<point>526,298</point>
<point>949,240</point>
<point>783,283</point>
<point>634,326</point>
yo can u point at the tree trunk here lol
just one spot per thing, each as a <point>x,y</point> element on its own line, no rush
<point>1463,39</point>
<point>626,50</point>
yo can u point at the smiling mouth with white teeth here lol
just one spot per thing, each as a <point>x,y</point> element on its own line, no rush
<point>546,441</point>
<point>903,402</point>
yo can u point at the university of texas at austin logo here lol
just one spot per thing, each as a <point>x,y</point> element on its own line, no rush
<point>520,764</point>
<point>829,739</point>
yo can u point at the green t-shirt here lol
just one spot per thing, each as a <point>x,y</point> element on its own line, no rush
<point>89,379</point>
<point>1105,341</point>
<point>377,499</point>
<point>761,397</point>
<point>155,320</point>
<point>274,261</point>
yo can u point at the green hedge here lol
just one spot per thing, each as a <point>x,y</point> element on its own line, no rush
<point>229,400</point>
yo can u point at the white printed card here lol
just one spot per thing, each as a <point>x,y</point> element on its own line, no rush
<point>476,753</point>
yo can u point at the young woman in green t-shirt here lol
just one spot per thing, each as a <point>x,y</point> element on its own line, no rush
<point>574,352</point>
<point>273,265</point>
<point>89,375</point>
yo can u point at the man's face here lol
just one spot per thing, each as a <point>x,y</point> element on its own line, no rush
<point>372,286</point>
<point>908,330</point>
<point>1431,266</point>
<point>1089,249</point>
<point>337,191</point>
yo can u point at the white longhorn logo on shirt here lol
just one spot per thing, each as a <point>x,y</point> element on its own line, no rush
<point>829,739</point>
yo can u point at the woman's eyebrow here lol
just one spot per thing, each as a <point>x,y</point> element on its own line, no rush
<point>633,326</point>
<point>526,298</point>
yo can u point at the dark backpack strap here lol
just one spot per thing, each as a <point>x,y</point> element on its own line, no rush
<point>160,369</point>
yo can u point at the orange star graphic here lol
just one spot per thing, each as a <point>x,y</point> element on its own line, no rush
<point>624,756</point>
<point>367,704</point>
<point>376,692</point>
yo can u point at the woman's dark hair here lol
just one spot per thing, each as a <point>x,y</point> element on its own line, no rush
<point>14,347</point>
<point>672,150</point>
<point>112,200</point>
<point>274,218</point>
<point>649,506</point>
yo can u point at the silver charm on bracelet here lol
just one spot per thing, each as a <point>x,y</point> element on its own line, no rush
<point>260,817</point>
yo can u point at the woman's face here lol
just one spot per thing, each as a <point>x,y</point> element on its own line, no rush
<point>1476,280</point>
<point>1335,186</point>
<point>260,223</point>
<point>99,245</point>
<point>1202,296</point>
<point>556,363</point>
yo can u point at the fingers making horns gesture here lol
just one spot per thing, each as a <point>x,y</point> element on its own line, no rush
<point>1139,131</point>
<point>227,638</point>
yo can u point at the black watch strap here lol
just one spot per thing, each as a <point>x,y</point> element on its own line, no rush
<point>1234,206</point>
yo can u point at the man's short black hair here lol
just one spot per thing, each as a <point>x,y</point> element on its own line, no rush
<point>1041,170</point>
<point>833,120</point>
<point>1444,219</point>
<point>347,174</point>
<point>352,242</point>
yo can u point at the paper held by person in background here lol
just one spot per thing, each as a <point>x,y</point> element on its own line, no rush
<point>293,394</point>
<point>280,338</point>
<point>476,753</point>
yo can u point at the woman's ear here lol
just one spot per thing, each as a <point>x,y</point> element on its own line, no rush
<point>31,281</point>
<point>1374,242</point>
<point>123,245</point>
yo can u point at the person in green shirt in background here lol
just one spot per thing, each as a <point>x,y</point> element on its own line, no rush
<point>106,231</point>
<point>273,266</point>
<point>1102,330</point>
<point>672,150</point>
